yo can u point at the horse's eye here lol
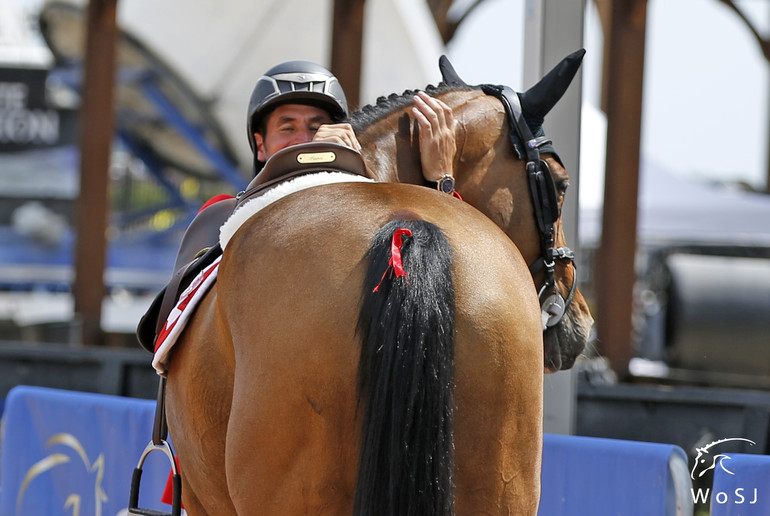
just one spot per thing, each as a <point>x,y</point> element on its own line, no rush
<point>561,187</point>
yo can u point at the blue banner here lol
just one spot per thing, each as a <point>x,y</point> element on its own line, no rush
<point>72,453</point>
<point>588,476</point>
<point>741,485</point>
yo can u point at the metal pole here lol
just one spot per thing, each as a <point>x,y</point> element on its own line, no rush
<point>554,29</point>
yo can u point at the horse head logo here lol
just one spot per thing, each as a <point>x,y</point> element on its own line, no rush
<point>54,460</point>
<point>704,461</point>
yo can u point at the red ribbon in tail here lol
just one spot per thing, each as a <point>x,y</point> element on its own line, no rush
<point>395,261</point>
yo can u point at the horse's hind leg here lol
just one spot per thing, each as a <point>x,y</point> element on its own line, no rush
<point>499,384</point>
<point>192,506</point>
<point>199,394</point>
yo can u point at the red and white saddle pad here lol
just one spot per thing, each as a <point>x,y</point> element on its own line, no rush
<point>181,313</point>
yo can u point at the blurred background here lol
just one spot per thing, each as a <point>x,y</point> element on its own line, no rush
<point>666,138</point>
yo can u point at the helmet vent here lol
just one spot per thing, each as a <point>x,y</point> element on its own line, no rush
<point>287,86</point>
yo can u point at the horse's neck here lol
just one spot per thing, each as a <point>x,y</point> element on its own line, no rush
<point>391,149</point>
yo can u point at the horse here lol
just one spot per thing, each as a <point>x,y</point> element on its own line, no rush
<point>378,348</point>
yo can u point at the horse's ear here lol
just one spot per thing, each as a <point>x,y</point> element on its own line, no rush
<point>448,74</point>
<point>537,101</point>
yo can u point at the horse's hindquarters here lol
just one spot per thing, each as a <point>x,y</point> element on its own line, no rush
<point>198,399</point>
<point>293,279</point>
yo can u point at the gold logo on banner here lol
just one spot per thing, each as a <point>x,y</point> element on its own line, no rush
<point>53,460</point>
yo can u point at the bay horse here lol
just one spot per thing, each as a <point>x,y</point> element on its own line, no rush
<point>378,348</point>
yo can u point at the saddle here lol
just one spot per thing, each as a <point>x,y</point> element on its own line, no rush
<point>200,243</point>
<point>303,159</point>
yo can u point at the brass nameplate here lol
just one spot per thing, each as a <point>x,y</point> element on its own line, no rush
<point>316,157</point>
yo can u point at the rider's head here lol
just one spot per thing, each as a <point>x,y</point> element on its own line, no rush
<point>299,83</point>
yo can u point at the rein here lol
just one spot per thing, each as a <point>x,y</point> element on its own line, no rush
<point>545,203</point>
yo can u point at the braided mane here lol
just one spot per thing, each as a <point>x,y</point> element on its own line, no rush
<point>384,106</point>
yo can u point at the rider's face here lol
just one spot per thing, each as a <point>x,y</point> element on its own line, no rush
<point>287,125</point>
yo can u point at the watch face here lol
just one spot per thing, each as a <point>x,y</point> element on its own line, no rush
<point>446,185</point>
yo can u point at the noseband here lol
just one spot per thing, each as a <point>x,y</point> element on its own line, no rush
<point>545,202</point>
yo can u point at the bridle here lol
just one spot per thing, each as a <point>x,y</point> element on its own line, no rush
<point>545,202</point>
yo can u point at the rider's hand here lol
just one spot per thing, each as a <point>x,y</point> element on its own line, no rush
<point>338,133</point>
<point>437,136</point>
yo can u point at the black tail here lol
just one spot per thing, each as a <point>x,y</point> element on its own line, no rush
<point>406,375</point>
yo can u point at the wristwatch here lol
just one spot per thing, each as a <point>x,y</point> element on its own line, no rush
<point>446,184</point>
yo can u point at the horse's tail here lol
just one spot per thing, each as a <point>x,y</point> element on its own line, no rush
<point>406,373</point>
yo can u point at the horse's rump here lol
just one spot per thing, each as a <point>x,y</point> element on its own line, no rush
<point>294,276</point>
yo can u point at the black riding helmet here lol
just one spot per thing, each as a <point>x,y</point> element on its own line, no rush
<point>300,82</point>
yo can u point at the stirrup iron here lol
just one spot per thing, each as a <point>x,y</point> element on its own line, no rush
<point>176,506</point>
